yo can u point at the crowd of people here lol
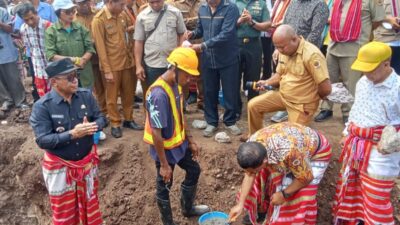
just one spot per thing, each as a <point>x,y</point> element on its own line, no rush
<point>282,55</point>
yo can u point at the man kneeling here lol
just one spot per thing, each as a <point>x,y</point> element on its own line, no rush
<point>283,164</point>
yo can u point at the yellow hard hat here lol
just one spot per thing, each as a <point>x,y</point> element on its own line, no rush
<point>371,55</point>
<point>185,59</point>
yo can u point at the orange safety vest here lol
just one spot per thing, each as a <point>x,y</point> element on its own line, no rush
<point>179,125</point>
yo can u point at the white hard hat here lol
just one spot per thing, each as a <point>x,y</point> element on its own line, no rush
<point>63,4</point>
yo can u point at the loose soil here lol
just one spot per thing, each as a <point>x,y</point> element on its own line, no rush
<point>127,175</point>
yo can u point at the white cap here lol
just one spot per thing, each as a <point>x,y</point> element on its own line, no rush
<point>62,4</point>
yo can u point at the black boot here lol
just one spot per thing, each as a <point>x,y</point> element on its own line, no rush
<point>166,213</point>
<point>188,194</point>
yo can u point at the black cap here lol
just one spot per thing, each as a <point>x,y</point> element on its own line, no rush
<point>60,67</point>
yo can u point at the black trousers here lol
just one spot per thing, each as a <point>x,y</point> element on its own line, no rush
<point>213,79</point>
<point>268,49</point>
<point>35,94</point>
<point>192,169</point>
<point>250,62</point>
<point>395,61</point>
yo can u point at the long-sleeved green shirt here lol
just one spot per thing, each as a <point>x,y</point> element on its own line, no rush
<point>74,42</point>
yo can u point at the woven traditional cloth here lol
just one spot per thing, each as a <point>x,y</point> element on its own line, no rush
<point>301,208</point>
<point>42,86</point>
<point>72,187</point>
<point>351,29</point>
<point>358,195</point>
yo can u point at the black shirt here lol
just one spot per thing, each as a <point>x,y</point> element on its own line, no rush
<point>52,118</point>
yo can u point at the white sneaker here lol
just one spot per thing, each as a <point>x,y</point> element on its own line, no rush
<point>102,136</point>
<point>209,131</point>
<point>280,117</point>
<point>234,130</point>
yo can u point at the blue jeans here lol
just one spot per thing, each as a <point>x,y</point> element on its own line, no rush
<point>192,169</point>
<point>230,80</point>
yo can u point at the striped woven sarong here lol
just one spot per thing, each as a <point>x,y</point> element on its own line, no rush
<point>359,196</point>
<point>42,86</point>
<point>72,187</point>
<point>300,208</point>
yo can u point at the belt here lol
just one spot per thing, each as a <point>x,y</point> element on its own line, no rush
<point>248,39</point>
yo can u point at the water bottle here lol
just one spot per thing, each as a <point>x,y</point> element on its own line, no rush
<point>96,137</point>
<point>221,98</point>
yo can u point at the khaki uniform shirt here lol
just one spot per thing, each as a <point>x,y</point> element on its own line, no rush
<point>131,17</point>
<point>189,9</point>
<point>112,42</point>
<point>164,39</point>
<point>372,11</point>
<point>86,21</point>
<point>384,35</point>
<point>301,73</point>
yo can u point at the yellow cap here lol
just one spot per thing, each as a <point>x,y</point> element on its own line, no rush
<point>185,59</point>
<point>371,55</point>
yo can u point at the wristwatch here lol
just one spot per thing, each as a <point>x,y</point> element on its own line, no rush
<point>285,195</point>
<point>252,23</point>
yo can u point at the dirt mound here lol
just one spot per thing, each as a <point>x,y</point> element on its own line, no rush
<point>127,176</point>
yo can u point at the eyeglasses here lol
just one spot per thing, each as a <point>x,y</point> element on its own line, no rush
<point>70,11</point>
<point>70,77</point>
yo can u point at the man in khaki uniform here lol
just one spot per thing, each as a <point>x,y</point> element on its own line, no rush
<point>302,77</point>
<point>342,53</point>
<point>130,12</point>
<point>189,9</point>
<point>84,16</point>
<point>154,44</point>
<point>111,36</point>
<point>391,34</point>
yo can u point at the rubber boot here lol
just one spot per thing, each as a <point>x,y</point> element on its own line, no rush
<point>165,210</point>
<point>188,194</point>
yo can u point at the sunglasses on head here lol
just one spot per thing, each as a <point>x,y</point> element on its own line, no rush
<point>70,11</point>
<point>70,77</point>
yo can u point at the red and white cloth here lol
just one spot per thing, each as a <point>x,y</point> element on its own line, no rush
<point>301,208</point>
<point>72,187</point>
<point>365,181</point>
<point>351,29</point>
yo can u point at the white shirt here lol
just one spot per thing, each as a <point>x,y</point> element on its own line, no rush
<point>378,105</point>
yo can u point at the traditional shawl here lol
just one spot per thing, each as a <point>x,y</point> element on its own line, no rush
<point>352,25</point>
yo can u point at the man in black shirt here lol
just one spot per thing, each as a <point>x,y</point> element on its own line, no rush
<point>64,121</point>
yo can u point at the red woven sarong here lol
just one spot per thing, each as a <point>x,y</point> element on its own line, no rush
<point>72,187</point>
<point>42,86</point>
<point>359,196</point>
<point>301,208</point>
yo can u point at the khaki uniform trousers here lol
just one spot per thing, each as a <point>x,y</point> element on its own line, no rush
<point>124,84</point>
<point>99,88</point>
<point>339,69</point>
<point>272,101</point>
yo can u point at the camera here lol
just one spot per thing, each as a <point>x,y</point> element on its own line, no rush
<point>253,85</point>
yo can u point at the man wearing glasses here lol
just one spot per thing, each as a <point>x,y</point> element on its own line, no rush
<point>64,121</point>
